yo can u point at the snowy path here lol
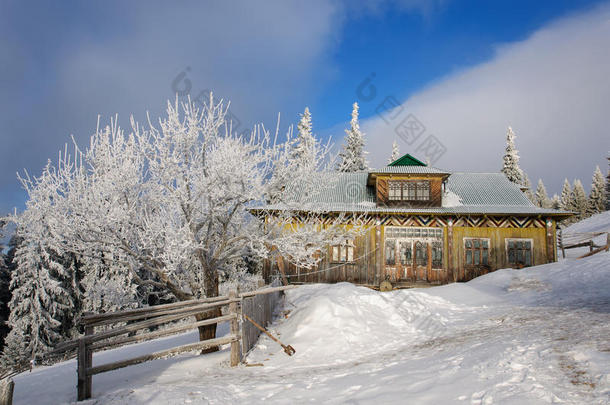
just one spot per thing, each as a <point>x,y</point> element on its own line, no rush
<point>536,336</point>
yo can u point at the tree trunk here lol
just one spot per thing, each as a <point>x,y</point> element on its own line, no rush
<point>207,332</point>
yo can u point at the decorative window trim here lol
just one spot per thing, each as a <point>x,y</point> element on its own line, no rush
<point>479,249</point>
<point>530,240</point>
<point>409,190</point>
<point>343,252</point>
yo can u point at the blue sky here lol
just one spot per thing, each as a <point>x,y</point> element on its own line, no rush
<point>522,63</point>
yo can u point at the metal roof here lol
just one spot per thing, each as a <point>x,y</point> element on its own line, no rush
<point>408,170</point>
<point>478,193</point>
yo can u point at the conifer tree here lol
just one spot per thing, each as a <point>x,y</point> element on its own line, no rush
<point>566,196</point>
<point>395,152</point>
<point>579,199</point>
<point>597,197</point>
<point>528,188</point>
<point>542,199</point>
<point>303,150</point>
<point>608,188</point>
<point>352,156</point>
<point>40,303</point>
<point>511,167</point>
<point>555,202</point>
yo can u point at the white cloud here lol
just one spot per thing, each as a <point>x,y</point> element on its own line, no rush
<point>552,88</point>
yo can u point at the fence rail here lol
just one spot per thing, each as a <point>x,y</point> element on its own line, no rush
<point>257,304</point>
<point>581,239</point>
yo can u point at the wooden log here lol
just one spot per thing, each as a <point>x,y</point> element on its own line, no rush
<point>6,391</point>
<point>234,330</point>
<point>140,313</point>
<point>165,353</point>
<point>160,333</point>
<point>591,253</point>
<point>88,362</point>
<point>266,291</point>
<point>81,364</point>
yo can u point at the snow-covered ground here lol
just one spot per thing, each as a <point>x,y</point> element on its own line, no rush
<point>596,223</point>
<point>532,336</point>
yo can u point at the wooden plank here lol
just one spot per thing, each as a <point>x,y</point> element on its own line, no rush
<point>235,357</point>
<point>160,333</point>
<point>266,291</point>
<point>81,370</point>
<point>157,355</point>
<point>180,313</point>
<point>174,315</point>
<point>97,318</point>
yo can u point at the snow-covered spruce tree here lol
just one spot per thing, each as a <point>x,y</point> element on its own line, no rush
<point>597,197</point>
<point>608,188</point>
<point>40,304</point>
<point>566,196</point>
<point>5,293</point>
<point>171,205</point>
<point>555,202</point>
<point>579,199</point>
<point>352,157</point>
<point>395,152</point>
<point>511,167</point>
<point>529,193</point>
<point>303,148</point>
<point>542,198</point>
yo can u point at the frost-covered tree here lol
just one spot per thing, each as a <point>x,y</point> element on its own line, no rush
<point>303,148</point>
<point>527,185</point>
<point>566,196</point>
<point>511,167</point>
<point>542,198</point>
<point>40,303</point>
<point>5,279</point>
<point>579,199</point>
<point>171,205</point>
<point>555,202</point>
<point>597,197</point>
<point>395,152</point>
<point>352,157</point>
<point>608,188</point>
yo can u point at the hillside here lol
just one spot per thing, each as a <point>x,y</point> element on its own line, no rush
<point>537,336</point>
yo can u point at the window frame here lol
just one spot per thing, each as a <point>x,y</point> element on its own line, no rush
<point>531,250</point>
<point>409,190</point>
<point>479,249</point>
<point>345,251</point>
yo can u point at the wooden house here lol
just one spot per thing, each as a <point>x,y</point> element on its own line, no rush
<point>427,225</point>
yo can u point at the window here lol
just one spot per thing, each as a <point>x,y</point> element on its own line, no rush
<point>390,252</point>
<point>413,232</point>
<point>476,251</point>
<point>437,255</point>
<point>421,253</point>
<point>406,253</point>
<point>395,191</point>
<point>343,252</point>
<point>519,252</point>
<point>409,190</point>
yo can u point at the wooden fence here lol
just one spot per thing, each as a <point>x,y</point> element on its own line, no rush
<point>257,304</point>
<point>260,309</point>
<point>581,239</point>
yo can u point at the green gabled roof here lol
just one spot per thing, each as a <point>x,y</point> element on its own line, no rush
<point>407,160</point>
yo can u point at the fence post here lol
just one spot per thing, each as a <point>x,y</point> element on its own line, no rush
<point>234,329</point>
<point>84,362</point>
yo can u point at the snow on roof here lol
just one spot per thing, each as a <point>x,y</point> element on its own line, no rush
<point>477,193</point>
